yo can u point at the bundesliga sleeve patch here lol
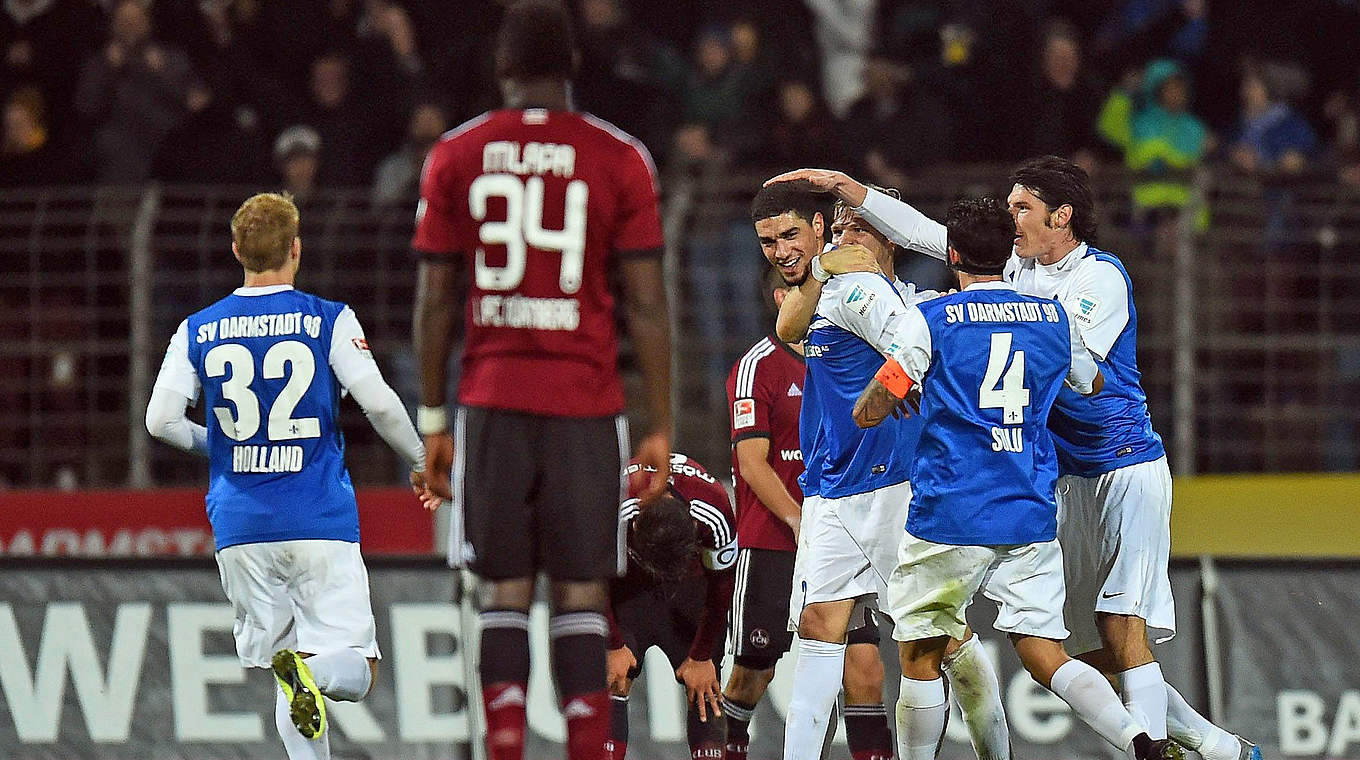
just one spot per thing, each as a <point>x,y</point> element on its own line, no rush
<point>743,413</point>
<point>361,344</point>
<point>1086,310</point>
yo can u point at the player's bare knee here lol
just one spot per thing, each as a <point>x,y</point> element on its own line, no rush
<point>825,621</point>
<point>621,688</point>
<point>749,679</point>
<point>373,677</point>
<point>1041,657</point>
<point>1125,641</point>
<point>579,596</point>
<point>509,594</point>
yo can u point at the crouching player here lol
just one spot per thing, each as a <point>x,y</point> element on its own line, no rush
<point>271,363</point>
<point>675,596</point>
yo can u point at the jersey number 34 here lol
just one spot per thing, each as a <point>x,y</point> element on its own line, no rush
<point>523,228</point>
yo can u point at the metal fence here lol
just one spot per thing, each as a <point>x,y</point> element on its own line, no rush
<point>1248,303</point>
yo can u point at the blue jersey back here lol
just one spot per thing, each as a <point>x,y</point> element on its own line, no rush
<point>1111,429</point>
<point>277,456</point>
<point>839,458</point>
<point>985,471</point>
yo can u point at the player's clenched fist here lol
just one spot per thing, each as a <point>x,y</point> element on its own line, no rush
<point>654,452</point>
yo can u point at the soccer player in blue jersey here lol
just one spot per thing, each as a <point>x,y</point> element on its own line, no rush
<point>855,482</point>
<point>1114,489</point>
<point>990,363</point>
<point>272,363</point>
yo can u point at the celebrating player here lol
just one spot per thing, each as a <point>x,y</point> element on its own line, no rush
<point>971,674</point>
<point>1114,489</point>
<point>543,204</point>
<point>675,596</point>
<point>271,363</point>
<point>983,514</point>
<point>855,488</point>
<point>765,393</point>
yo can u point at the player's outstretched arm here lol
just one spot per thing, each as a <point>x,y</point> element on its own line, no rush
<point>902,223</point>
<point>647,317</point>
<point>436,308</point>
<point>385,412</point>
<point>837,183</point>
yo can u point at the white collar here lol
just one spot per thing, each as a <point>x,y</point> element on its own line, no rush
<point>261,290</point>
<point>991,285</point>
<point>1065,263</point>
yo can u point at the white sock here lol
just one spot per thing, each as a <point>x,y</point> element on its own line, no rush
<point>816,682</point>
<point>342,674</point>
<point>976,688</point>
<point>295,744</point>
<point>921,714</point>
<point>1195,732</point>
<point>1089,695</point>
<point>1144,693</point>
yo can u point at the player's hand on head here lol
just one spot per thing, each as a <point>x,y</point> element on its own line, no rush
<point>438,464</point>
<point>822,180</point>
<point>654,452</point>
<point>702,688</point>
<point>849,258</point>
<point>618,663</point>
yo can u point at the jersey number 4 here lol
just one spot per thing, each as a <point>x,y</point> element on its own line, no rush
<point>523,228</point>
<point>1007,393</point>
<point>237,359</point>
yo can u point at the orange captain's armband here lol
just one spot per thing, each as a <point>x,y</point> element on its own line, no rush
<point>894,378</point>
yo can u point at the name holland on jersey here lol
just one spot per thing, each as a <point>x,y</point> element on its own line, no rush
<point>266,459</point>
<point>260,326</point>
<point>1009,311</point>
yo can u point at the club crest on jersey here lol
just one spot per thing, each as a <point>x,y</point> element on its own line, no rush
<point>1086,309</point>
<point>760,638</point>
<point>743,413</point>
<point>860,300</point>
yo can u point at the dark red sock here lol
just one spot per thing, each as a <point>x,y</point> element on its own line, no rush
<point>587,725</point>
<point>867,732</point>
<point>505,719</point>
<point>737,716</point>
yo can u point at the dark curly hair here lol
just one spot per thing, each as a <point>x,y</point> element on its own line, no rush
<point>664,539</point>
<point>982,231</point>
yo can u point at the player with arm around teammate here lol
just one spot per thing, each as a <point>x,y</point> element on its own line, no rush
<point>682,551</point>
<point>1114,486</point>
<point>543,204</point>
<point>271,363</point>
<point>972,676</point>
<point>983,517</point>
<point>765,394</point>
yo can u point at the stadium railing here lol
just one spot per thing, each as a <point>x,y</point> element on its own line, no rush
<point>1248,307</point>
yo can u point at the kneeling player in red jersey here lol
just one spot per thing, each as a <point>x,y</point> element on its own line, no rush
<point>682,551</point>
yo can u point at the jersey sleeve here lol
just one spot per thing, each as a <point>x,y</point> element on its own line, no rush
<point>441,228</point>
<point>710,506</point>
<point>904,225</point>
<point>177,372</point>
<point>1083,370</point>
<point>911,345</point>
<point>639,213</point>
<point>1098,305</point>
<point>866,305</point>
<point>349,355</point>
<point>748,402</point>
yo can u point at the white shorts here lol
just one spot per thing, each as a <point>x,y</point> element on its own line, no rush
<point>1115,531</point>
<point>932,585</point>
<point>847,547</point>
<point>308,595</point>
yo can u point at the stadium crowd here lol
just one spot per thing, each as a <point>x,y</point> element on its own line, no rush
<point>353,92</point>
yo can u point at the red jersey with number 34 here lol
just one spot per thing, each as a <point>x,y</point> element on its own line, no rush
<point>539,204</point>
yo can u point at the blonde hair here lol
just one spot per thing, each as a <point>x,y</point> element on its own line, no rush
<point>263,229</point>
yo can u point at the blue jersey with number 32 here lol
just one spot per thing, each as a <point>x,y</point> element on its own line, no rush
<point>985,469</point>
<point>277,456</point>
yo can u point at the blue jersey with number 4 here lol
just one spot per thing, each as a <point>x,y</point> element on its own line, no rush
<point>985,469</point>
<point>277,456</point>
